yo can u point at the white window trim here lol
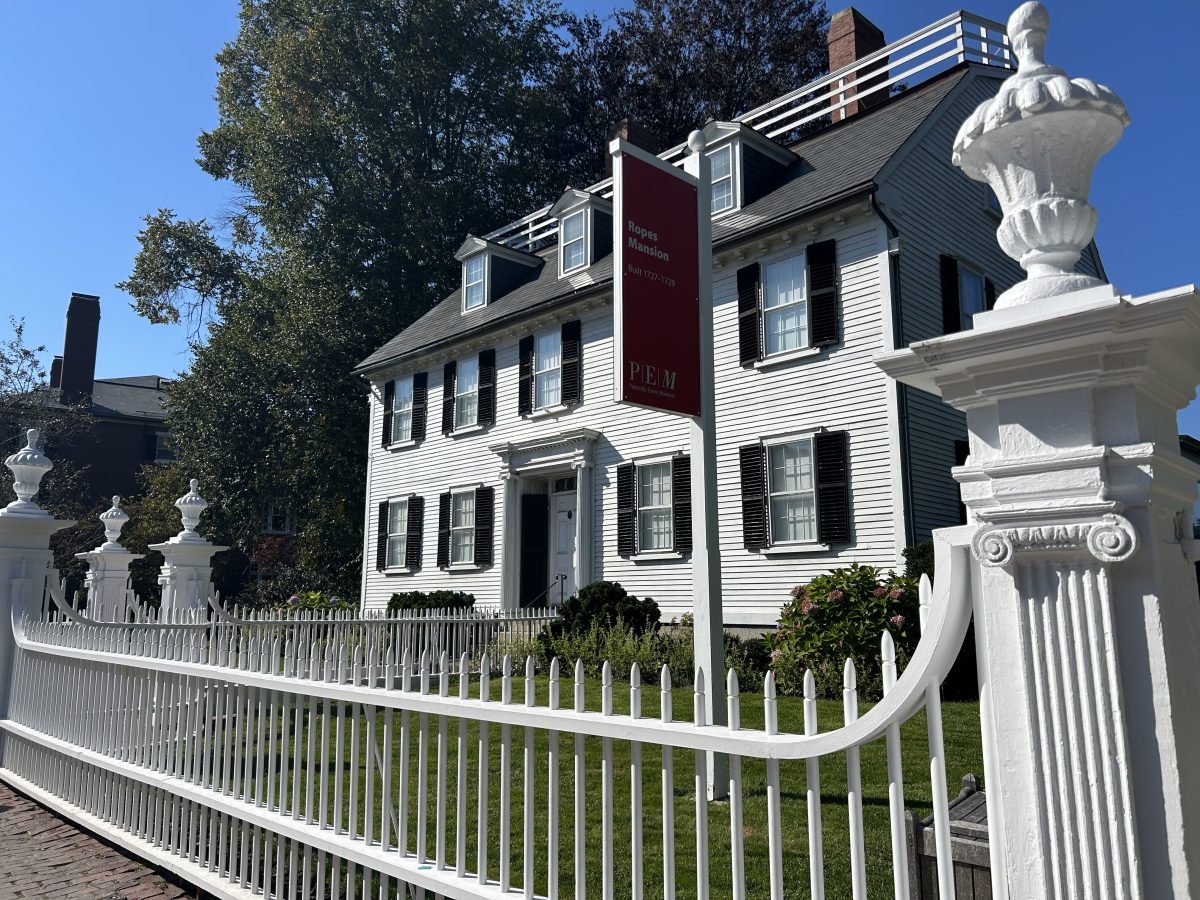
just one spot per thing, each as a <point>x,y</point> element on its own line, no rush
<point>408,441</point>
<point>548,412</point>
<point>966,322</point>
<point>487,271</point>
<point>405,499</point>
<point>650,556</point>
<point>552,332</point>
<point>782,547</point>
<point>586,212</point>
<point>463,564</point>
<point>287,518</point>
<point>473,426</point>
<point>785,355</point>
<point>159,438</point>
<point>788,356</point>
<point>735,170</point>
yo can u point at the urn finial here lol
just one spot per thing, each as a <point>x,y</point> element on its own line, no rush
<point>113,520</point>
<point>1036,143</point>
<point>190,505</point>
<point>28,465</point>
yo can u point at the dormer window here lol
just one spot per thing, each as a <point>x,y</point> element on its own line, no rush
<point>584,230</point>
<point>723,193</point>
<point>574,241</point>
<point>474,282</point>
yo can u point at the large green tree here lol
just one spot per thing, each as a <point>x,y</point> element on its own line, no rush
<point>365,138</point>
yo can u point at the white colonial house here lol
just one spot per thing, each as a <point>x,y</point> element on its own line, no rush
<point>500,463</point>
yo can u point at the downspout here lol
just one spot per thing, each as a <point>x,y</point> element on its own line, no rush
<point>893,234</point>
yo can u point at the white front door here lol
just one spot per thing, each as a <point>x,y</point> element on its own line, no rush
<point>562,544</point>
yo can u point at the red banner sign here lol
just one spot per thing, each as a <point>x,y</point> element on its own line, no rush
<point>657,285</point>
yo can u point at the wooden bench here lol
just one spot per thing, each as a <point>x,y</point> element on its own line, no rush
<point>968,848</point>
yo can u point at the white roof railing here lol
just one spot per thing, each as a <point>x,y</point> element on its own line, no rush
<point>958,37</point>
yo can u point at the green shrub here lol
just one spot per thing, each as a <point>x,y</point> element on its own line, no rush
<point>918,561</point>
<point>601,605</point>
<point>315,601</point>
<point>842,615</point>
<point>431,600</point>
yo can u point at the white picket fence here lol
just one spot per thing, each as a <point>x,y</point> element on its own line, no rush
<point>320,759</point>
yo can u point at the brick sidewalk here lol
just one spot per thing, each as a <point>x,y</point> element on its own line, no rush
<point>41,855</point>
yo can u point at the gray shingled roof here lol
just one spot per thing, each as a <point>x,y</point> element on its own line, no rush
<point>139,397</point>
<point>839,162</point>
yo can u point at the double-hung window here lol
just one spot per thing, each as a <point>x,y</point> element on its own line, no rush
<point>655,512</point>
<point>397,533</point>
<point>462,527</point>
<point>791,490</point>
<point>547,369</point>
<point>163,451</point>
<point>473,282</point>
<point>402,410</point>
<point>785,312</point>
<point>573,241</point>
<point>971,295</point>
<point>723,196</point>
<point>466,393</point>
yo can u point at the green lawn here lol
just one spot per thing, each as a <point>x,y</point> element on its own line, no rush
<point>963,755</point>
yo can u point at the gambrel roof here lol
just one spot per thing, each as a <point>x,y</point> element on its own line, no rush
<point>840,162</point>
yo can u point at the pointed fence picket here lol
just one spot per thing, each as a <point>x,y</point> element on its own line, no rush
<point>327,758</point>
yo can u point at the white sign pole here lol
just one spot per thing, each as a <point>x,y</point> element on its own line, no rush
<point>708,628</point>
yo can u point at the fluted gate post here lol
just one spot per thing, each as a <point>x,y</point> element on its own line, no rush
<point>1088,620</point>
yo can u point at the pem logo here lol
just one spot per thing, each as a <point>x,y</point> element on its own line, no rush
<point>651,376</point>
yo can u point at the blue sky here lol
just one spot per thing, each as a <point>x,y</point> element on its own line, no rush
<point>104,102</point>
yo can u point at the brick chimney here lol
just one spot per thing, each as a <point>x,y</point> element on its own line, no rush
<point>628,130</point>
<point>78,369</point>
<point>852,36</point>
<point>56,372</point>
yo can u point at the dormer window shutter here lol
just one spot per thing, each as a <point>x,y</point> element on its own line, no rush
<point>389,400</point>
<point>752,463</point>
<point>749,290</point>
<point>525,376</point>
<point>420,405</point>
<point>833,487</point>
<point>448,373</point>
<point>415,528</point>
<point>951,304</point>
<point>485,515</point>
<point>571,332</point>
<point>681,502</point>
<point>487,387</point>
<point>626,510</point>
<point>381,537</point>
<point>824,313</point>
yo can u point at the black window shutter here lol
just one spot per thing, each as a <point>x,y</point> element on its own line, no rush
<point>448,373</point>
<point>443,545</point>
<point>626,510</point>
<point>381,531</point>
<point>487,387</point>
<point>389,401</point>
<point>823,311</point>
<point>833,487</point>
<point>420,405</point>
<point>415,528</point>
<point>951,305</point>
<point>989,293</point>
<point>525,376</point>
<point>749,317</point>
<point>570,361</point>
<point>485,517</point>
<point>751,461</point>
<point>681,502</point>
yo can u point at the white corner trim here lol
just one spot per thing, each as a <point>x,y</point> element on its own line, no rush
<point>781,359</point>
<point>794,549</point>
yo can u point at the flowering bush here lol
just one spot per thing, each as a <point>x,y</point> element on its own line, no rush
<point>838,615</point>
<point>317,602</point>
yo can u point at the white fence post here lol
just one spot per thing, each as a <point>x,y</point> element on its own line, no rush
<point>107,580</point>
<point>1087,612</point>
<point>186,575</point>
<point>25,531</point>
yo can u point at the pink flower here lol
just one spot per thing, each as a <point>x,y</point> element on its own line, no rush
<point>897,620</point>
<point>798,592</point>
<point>835,595</point>
<point>775,654</point>
<point>896,594</point>
<point>807,606</point>
<point>879,592</point>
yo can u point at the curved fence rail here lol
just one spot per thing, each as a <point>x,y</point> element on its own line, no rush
<point>323,759</point>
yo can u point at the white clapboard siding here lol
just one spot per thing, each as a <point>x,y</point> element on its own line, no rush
<point>840,389</point>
